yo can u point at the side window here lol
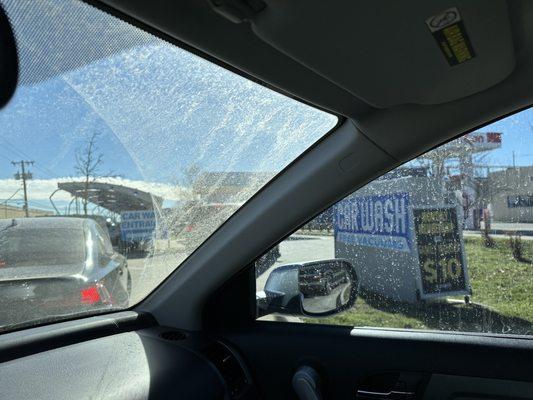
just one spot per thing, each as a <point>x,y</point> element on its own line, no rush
<point>444,242</point>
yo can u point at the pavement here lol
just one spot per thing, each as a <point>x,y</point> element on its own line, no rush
<point>148,272</point>
<point>503,228</point>
<point>300,248</point>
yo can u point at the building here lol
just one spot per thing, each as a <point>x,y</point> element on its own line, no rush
<point>510,193</point>
<point>228,187</point>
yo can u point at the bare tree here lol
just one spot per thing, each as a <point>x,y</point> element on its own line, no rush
<point>88,162</point>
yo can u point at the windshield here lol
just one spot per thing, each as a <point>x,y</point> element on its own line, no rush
<point>155,144</point>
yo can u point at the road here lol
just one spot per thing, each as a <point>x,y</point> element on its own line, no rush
<point>300,248</point>
<point>327,302</point>
<point>149,272</point>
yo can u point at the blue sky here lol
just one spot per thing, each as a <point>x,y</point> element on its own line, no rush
<point>50,132</point>
<point>517,137</point>
<point>157,111</point>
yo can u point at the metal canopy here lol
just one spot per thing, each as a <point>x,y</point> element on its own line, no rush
<point>115,198</point>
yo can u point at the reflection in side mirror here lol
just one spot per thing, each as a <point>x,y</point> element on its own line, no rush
<point>314,289</point>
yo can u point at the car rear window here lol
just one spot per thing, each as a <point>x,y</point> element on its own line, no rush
<point>38,247</point>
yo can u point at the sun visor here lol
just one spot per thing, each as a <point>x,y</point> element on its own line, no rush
<point>393,52</point>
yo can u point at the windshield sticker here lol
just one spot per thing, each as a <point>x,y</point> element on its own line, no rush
<point>450,34</point>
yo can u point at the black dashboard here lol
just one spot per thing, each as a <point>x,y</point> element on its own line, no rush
<point>149,363</point>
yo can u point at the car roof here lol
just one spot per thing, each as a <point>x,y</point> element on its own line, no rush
<point>45,222</point>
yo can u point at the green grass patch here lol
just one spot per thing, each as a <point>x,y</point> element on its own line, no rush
<point>498,280</point>
<point>502,293</point>
<point>364,315</point>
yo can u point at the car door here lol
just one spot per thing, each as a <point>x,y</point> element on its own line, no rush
<point>442,250</point>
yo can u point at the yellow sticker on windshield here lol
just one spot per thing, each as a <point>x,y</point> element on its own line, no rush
<point>450,34</point>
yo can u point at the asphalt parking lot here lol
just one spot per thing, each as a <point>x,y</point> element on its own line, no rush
<point>300,248</point>
<point>147,272</point>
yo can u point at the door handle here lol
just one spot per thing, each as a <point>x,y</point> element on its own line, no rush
<point>392,395</point>
<point>306,384</point>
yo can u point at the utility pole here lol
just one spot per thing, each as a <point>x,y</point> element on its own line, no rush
<point>24,176</point>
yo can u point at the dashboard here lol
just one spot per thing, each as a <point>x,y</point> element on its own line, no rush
<point>150,363</point>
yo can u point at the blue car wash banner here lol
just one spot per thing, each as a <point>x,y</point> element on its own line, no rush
<point>381,221</point>
<point>137,225</point>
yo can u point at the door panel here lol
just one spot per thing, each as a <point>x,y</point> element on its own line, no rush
<point>347,359</point>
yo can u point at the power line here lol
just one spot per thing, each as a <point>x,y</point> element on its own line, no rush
<point>9,198</point>
<point>24,176</point>
<point>20,153</point>
<point>5,158</point>
<point>36,205</point>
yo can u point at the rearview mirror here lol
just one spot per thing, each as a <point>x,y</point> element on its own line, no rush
<point>314,289</point>
<point>8,59</point>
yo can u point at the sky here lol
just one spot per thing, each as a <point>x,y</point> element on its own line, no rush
<point>517,138</point>
<point>157,110</point>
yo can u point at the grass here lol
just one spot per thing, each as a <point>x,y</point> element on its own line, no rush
<point>365,315</point>
<point>502,295</point>
<point>498,280</point>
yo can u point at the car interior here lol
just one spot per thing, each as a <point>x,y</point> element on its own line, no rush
<point>384,69</point>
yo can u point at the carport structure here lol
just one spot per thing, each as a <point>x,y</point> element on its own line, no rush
<point>112,197</point>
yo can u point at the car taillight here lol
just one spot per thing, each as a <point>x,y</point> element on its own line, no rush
<point>95,294</point>
<point>90,295</point>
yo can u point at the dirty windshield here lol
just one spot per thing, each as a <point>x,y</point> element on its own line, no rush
<point>150,146</point>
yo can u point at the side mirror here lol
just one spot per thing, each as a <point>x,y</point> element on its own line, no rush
<point>312,289</point>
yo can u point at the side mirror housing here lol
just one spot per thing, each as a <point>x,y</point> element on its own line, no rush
<point>311,289</point>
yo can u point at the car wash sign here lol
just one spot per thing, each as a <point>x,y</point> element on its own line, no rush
<point>380,221</point>
<point>137,225</point>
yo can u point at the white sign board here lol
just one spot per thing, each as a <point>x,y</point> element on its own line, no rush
<point>379,221</point>
<point>476,142</point>
<point>137,225</point>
